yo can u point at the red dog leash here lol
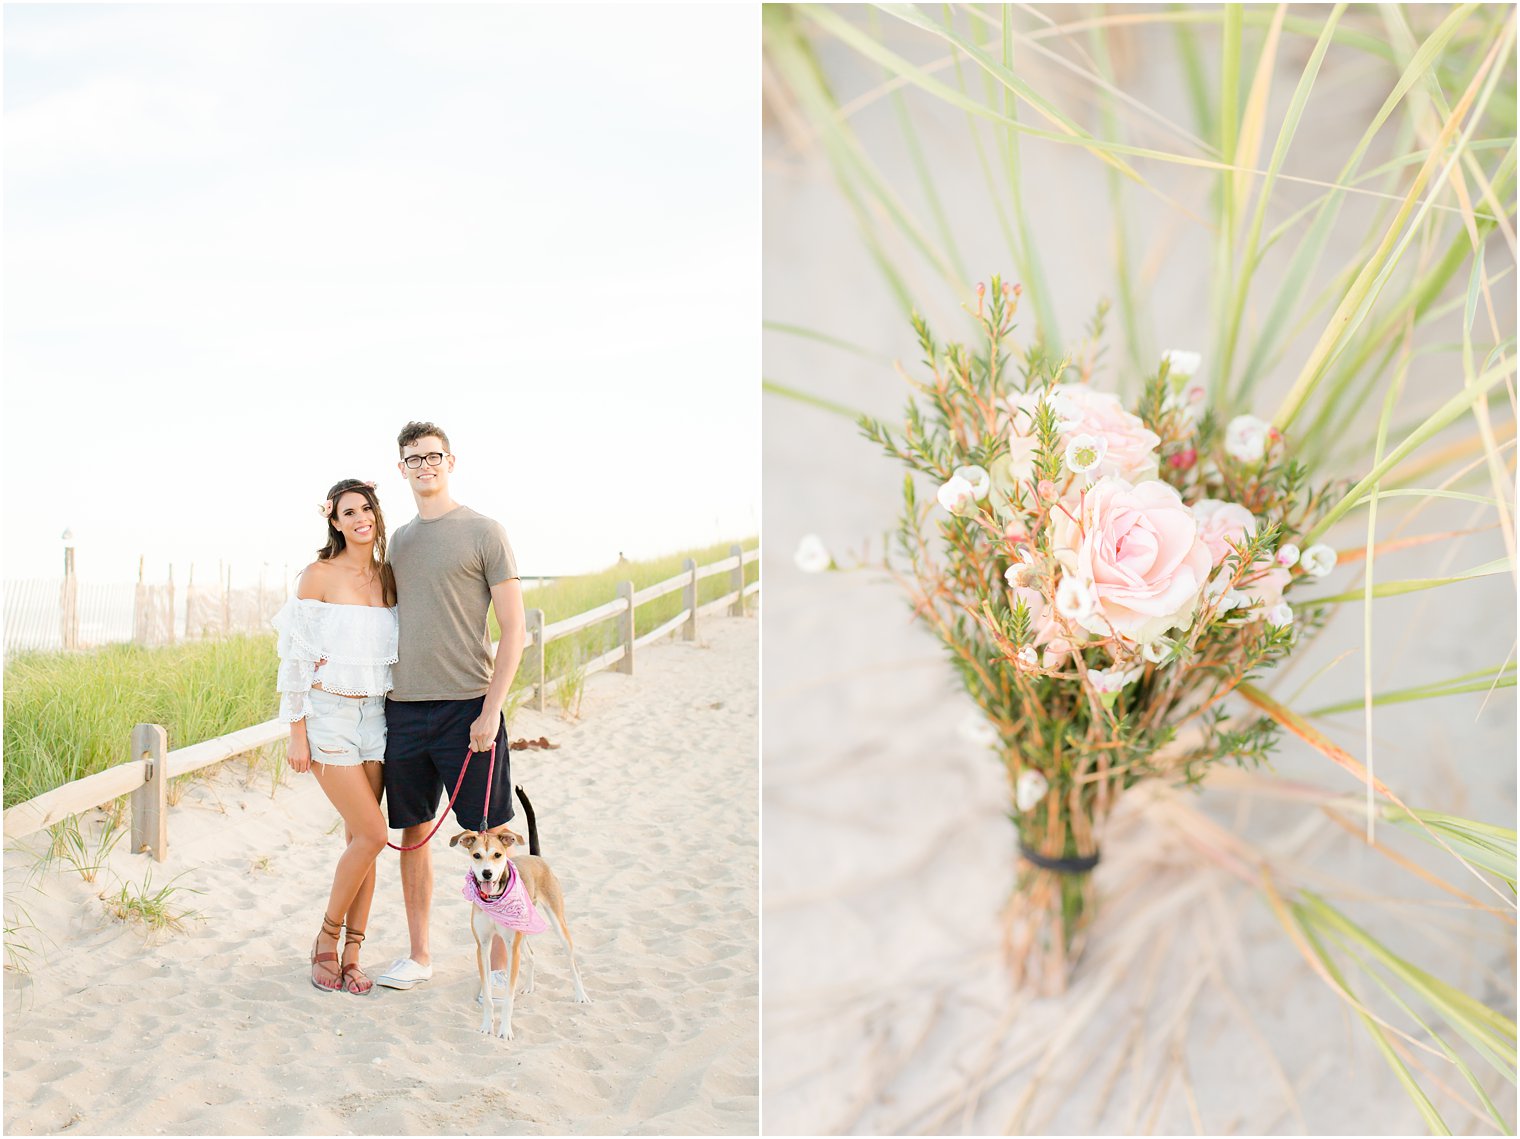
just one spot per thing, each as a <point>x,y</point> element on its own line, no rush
<point>469,754</point>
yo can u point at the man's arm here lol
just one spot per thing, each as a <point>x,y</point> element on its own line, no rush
<point>506,598</point>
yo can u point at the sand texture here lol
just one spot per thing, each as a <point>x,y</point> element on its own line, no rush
<point>647,813</point>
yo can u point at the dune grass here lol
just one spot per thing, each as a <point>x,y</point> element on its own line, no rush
<point>571,595</point>
<point>68,715</point>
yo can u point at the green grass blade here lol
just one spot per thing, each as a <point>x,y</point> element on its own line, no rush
<point>1285,134</point>
<point>1483,845</point>
<point>925,177</point>
<point>1490,1032</point>
<point>1309,936</point>
<point>1333,333</point>
<point>1413,585</point>
<point>1441,418</point>
<point>811,400</point>
<point>1440,1041</point>
<point>1046,329</point>
<point>1481,681</point>
<point>824,338</point>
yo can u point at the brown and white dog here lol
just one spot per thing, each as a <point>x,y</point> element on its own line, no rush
<point>490,852</point>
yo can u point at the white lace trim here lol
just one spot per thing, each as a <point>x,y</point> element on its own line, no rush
<point>357,644</point>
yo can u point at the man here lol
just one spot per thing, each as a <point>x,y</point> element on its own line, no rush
<point>451,564</point>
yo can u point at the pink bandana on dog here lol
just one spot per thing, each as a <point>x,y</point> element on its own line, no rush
<point>512,908</point>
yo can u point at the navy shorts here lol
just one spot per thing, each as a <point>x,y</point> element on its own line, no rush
<point>426,744</point>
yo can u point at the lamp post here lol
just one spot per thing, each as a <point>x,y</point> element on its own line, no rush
<point>68,601</point>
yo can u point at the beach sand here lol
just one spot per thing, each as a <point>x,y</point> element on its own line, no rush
<point>647,812</point>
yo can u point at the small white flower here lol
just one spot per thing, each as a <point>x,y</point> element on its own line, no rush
<point>1028,656</point>
<point>1074,598</point>
<point>975,729</point>
<point>1234,599</point>
<point>1155,651</point>
<point>1287,555</point>
<point>1182,363</point>
<point>1246,437</point>
<point>1318,560</point>
<point>956,495</point>
<point>1029,790</point>
<point>980,480</point>
<point>1085,452</point>
<point>1016,575</point>
<point>1280,614</point>
<point>1107,680</point>
<point>811,555</point>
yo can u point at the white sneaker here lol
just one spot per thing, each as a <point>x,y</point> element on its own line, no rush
<point>498,981</point>
<point>404,973</point>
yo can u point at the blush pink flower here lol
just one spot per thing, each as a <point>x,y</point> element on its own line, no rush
<point>1044,624</point>
<point>1221,523</point>
<point>1264,587</point>
<point>1139,549</point>
<point>1129,446</point>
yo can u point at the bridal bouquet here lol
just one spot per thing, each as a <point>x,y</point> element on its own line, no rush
<point>1103,578</point>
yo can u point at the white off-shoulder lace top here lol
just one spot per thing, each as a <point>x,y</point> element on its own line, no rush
<point>356,643</point>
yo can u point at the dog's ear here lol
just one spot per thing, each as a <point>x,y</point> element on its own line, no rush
<point>467,839</point>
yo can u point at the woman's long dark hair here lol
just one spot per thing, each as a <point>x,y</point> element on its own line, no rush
<point>337,543</point>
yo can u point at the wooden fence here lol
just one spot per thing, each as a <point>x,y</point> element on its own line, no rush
<point>145,777</point>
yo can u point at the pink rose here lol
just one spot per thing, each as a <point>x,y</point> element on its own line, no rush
<point>1139,548</point>
<point>1220,523</point>
<point>1131,447</point>
<point>1047,629</point>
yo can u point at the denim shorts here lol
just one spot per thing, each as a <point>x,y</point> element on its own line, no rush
<point>345,730</point>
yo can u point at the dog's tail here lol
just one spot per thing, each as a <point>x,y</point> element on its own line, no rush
<point>532,822</point>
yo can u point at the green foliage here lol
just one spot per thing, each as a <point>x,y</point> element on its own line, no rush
<point>68,715</point>
<point>154,909</point>
<point>85,856</point>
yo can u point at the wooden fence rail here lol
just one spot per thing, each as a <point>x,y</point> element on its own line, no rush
<point>145,777</point>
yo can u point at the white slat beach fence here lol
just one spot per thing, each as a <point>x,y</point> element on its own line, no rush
<point>145,777</point>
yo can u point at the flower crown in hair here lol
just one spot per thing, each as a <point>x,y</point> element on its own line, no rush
<point>326,508</point>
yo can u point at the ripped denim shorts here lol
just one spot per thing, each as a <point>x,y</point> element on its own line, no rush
<point>344,730</point>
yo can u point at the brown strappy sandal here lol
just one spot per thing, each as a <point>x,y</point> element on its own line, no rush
<point>353,976</point>
<point>324,958</point>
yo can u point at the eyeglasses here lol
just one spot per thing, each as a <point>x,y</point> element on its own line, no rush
<point>434,459</point>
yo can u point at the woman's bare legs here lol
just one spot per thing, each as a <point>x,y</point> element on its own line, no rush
<point>355,792</point>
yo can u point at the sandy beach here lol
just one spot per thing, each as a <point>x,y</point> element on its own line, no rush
<point>647,812</point>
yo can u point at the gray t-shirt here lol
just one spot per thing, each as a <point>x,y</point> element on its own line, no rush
<point>445,568</point>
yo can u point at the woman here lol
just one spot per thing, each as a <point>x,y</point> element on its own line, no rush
<point>337,644</point>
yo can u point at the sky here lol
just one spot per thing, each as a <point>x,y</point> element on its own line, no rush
<point>244,244</point>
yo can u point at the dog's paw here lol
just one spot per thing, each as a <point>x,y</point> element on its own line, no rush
<point>505,1031</point>
<point>526,987</point>
<point>486,1026</point>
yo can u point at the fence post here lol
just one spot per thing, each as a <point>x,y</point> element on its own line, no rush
<point>68,601</point>
<point>625,591</point>
<point>689,599</point>
<point>140,608</point>
<point>150,802</point>
<point>736,582</point>
<point>536,663</point>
